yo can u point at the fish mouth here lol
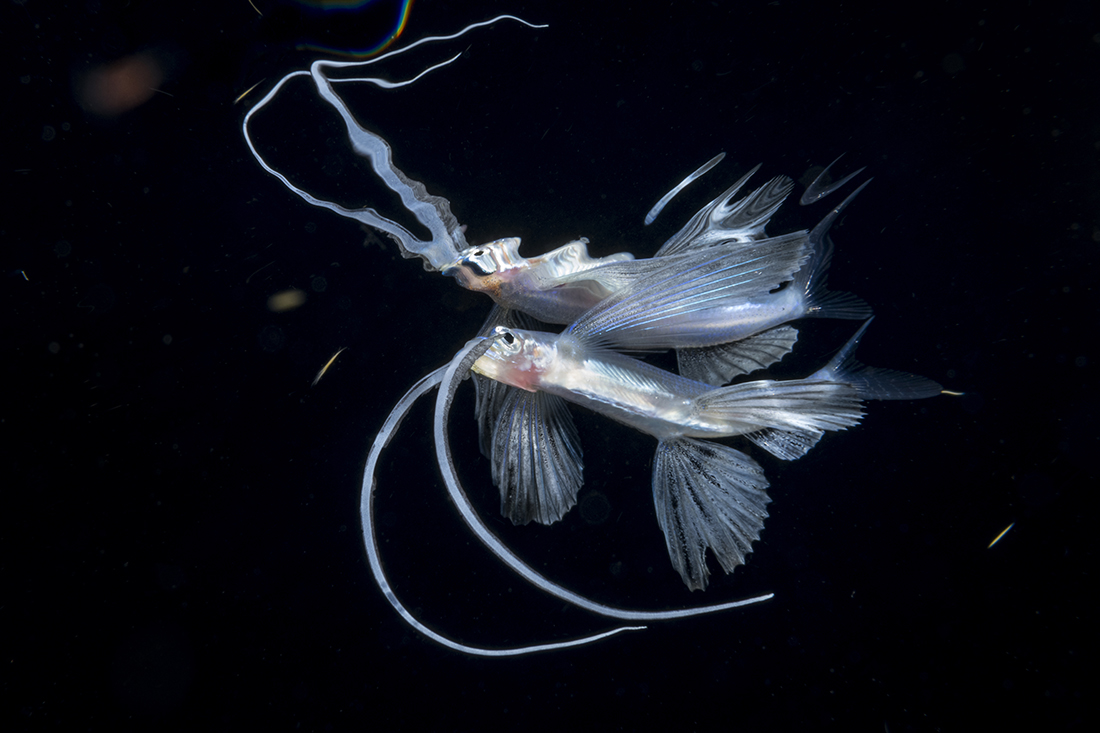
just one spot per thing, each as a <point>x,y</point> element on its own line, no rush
<point>499,363</point>
<point>491,365</point>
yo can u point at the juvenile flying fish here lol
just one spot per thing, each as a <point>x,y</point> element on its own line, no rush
<point>721,306</point>
<point>707,495</point>
<point>556,287</point>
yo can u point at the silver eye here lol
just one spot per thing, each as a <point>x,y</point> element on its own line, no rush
<point>479,261</point>
<point>507,342</point>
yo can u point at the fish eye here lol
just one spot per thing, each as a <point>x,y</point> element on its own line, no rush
<point>471,261</point>
<point>509,338</point>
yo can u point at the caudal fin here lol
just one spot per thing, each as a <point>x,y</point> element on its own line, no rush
<point>873,383</point>
<point>707,496</point>
<point>820,301</point>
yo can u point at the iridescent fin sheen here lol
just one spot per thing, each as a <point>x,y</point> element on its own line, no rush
<point>720,221</point>
<point>537,460</point>
<point>707,496</point>
<point>648,314</point>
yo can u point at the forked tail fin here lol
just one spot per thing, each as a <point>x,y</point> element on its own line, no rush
<point>873,383</point>
<point>821,302</point>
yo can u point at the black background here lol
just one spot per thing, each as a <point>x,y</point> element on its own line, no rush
<point>181,543</point>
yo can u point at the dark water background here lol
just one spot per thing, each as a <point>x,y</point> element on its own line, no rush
<point>181,545</point>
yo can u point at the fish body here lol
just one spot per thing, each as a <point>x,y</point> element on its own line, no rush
<point>561,285</point>
<point>548,287</point>
<point>531,442</point>
<point>657,402</point>
<point>707,495</point>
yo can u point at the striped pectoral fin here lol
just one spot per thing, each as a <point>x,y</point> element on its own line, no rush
<point>644,314</point>
<point>536,457</point>
<point>707,496</point>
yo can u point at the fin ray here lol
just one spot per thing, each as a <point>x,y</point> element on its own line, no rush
<point>707,496</point>
<point>537,461</point>
<point>786,445</point>
<point>718,365</point>
<point>639,316</point>
<point>721,222</point>
<point>793,404</point>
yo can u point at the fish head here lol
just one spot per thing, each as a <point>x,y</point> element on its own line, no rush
<point>517,357</point>
<point>488,267</point>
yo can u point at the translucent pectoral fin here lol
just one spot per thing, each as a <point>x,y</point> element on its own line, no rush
<point>718,365</point>
<point>707,496</point>
<point>656,311</point>
<point>538,464</point>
